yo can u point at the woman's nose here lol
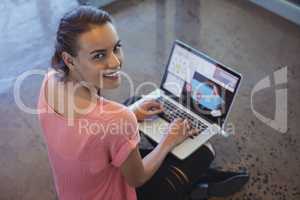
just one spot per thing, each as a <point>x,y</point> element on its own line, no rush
<point>114,61</point>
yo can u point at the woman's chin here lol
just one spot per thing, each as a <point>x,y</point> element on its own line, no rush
<point>112,84</point>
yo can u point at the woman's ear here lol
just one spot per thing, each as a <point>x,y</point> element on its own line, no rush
<point>68,60</point>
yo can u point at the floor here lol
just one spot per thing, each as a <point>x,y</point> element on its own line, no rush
<point>250,39</point>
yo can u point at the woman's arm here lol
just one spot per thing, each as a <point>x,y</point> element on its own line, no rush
<point>137,170</point>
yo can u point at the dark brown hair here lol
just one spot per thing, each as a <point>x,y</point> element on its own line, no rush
<point>71,26</point>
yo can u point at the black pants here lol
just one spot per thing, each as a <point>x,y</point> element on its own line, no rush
<point>175,178</point>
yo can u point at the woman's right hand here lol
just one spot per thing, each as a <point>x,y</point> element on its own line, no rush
<point>177,132</point>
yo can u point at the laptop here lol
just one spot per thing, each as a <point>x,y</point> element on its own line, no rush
<point>194,87</point>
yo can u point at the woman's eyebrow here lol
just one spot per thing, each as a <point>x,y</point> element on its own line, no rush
<point>98,51</point>
<point>104,50</point>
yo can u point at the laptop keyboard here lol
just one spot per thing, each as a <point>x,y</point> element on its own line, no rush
<point>171,112</point>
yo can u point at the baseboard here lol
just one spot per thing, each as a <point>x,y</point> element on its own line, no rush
<point>97,3</point>
<point>284,8</point>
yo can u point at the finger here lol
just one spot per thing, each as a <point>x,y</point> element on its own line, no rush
<point>183,127</point>
<point>198,132</point>
<point>156,102</point>
<point>152,107</point>
<point>194,131</point>
<point>155,112</point>
<point>153,102</point>
<point>161,106</point>
<point>147,103</point>
<point>186,125</point>
<point>177,120</point>
<point>156,107</point>
<point>177,123</point>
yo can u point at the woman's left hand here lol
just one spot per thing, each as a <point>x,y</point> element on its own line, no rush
<point>147,109</point>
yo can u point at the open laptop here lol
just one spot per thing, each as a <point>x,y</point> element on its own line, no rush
<point>195,87</point>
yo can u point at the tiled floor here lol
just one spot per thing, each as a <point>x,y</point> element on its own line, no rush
<point>253,41</point>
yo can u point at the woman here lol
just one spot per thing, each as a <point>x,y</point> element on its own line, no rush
<point>93,142</point>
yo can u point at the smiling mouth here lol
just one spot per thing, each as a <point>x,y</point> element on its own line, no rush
<point>112,75</point>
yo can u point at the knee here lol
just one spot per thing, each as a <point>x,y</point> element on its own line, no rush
<point>210,147</point>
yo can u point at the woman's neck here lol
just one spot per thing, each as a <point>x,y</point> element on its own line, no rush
<point>82,89</point>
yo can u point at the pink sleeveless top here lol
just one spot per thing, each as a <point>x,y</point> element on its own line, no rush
<point>86,156</point>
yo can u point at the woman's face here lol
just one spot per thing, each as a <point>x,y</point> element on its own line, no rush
<point>99,57</point>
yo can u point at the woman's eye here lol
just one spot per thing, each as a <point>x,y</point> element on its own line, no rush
<point>117,48</point>
<point>99,56</point>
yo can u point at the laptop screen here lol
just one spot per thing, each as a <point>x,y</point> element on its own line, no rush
<point>200,83</point>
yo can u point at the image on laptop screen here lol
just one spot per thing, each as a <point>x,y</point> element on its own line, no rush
<point>202,85</point>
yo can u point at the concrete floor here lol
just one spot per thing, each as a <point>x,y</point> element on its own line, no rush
<point>252,40</point>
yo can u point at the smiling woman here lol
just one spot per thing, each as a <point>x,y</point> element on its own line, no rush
<point>81,54</point>
<point>96,156</point>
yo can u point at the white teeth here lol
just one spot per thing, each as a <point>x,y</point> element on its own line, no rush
<point>112,74</point>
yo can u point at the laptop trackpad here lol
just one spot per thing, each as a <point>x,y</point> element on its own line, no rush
<point>155,128</point>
